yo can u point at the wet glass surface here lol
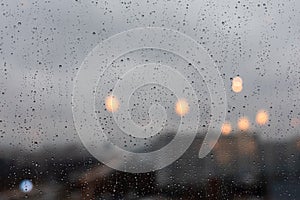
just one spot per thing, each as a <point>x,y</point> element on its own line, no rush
<point>149,99</point>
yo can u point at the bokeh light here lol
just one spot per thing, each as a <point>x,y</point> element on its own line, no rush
<point>182,107</point>
<point>112,103</point>
<point>243,124</point>
<point>26,186</point>
<point>262,117</point>
<point>295,122</point>
<point>226,128</point>
<point>237,84</point>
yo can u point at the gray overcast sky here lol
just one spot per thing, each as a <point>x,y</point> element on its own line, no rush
<point>42,44</point>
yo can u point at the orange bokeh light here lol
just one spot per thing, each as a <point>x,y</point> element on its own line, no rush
<point>243,124</point>
<point>262,117</point>
<point>295,122</point>
<point>112,103</point>
<point>237,84</point>
<point>226,128</point>
<point>182,107</point>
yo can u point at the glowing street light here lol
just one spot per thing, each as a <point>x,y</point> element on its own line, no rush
<point>112,103</point>
<point>26,186</point>
<point>262,117</point>
<point>226,128</point>
<point>243,124</point>
<point>182,107</point>
<point>237,84</point>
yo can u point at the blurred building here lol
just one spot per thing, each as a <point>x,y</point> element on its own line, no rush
<point>239,166</point>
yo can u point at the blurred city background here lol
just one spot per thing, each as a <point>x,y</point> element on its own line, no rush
<point>239,167</point>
